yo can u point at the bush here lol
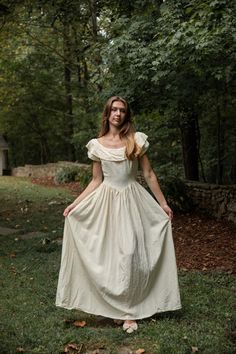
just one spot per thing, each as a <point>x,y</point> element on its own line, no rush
<point>175,192</point>
<point>84,176</point>
<point>66,174</point>
<point>73,174</point>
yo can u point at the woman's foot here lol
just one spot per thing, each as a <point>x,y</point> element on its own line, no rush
<point>130,326</point>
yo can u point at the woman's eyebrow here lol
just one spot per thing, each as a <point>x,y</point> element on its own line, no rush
<point>117,107</point>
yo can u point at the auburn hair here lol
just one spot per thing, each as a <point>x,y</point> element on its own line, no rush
<point>127,129</point>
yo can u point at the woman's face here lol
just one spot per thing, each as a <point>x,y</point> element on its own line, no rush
<point>117,114</point>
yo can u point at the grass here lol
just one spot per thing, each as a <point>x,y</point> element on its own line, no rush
<point>28,278</point>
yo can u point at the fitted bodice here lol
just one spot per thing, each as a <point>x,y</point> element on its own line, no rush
<point>118,171</point>
<point>119,174</point>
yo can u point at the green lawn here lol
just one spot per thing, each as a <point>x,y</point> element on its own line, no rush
<point>28,277</point>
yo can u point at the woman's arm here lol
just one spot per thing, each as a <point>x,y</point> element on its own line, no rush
<point>153,184</point>
<point>95,182</point>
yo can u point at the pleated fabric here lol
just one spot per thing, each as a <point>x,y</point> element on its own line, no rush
<point>118,257</point>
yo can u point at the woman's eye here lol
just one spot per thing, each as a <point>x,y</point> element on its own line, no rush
<point>116,109</point>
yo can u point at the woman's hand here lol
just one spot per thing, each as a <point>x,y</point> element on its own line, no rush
<point>68,209</point>
<point>168,210</point>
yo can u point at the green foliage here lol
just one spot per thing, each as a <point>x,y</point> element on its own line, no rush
<point>85,129</point>
<point>176,193</point>
<point>84,177</point>
<point>183,54</point>
<point>174,60</point>
<point>69,174</point>
<point>40,42</point>
<point>165,148</point>
<point>66,174</point>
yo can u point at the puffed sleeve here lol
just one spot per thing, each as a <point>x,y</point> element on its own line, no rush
<point>92,153</point>
<point>141,140</point>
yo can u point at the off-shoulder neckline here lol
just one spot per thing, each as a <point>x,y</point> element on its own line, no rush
<point>105,147</point>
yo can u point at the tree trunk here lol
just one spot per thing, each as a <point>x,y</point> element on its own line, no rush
<point>95,30</point>
<point>198,149</point>
<point>188,129</point>
<point>45,155</point>
<point>220,146</point>
<point>69,119</point>
<point>44,150</point>
<point>92,5</point>
<point>233,168</point>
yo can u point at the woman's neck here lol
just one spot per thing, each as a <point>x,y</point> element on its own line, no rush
<point>113,133</point>
<point>112,139</point>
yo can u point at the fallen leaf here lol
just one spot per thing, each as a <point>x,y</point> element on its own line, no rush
<point>73,348</point>
<point>79,323</point>
<point>194,349</point>
<point>96,351</point>
<point>140,351</point>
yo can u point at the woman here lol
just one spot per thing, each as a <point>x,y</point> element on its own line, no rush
<point>118,258</point>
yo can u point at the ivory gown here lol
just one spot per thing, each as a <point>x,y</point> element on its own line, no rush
<point>118,258</point>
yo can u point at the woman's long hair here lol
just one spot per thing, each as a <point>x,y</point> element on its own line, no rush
<point>127,129</point>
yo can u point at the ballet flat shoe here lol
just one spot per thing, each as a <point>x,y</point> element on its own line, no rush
<point>130,327</point>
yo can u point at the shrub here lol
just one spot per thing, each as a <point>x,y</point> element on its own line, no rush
<point>69,174</point>
<point>84,176</point>
<point>175,191</point>
<point>66,174</point>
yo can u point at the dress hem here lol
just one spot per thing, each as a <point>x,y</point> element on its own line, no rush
<point>179,307</point>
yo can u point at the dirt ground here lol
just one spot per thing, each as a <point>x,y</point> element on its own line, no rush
<point>204,244</point>
<point>201,243</point>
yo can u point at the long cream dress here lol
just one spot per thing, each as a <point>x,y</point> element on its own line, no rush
<point>118,257</point>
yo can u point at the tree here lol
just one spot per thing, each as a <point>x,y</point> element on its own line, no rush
<point>52,39</point>
<point>173,61</point>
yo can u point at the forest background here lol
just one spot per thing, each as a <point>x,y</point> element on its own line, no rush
<point>174,61</point>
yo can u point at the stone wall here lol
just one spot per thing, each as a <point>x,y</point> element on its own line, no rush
<point>216,200</point>
<point>47,170</point>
